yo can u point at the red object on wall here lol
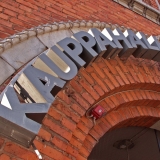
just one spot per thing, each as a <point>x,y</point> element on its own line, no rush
<point>98,112</point>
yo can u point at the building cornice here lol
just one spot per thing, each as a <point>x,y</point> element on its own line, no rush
<point>46,28</point>
<point>141,8</point>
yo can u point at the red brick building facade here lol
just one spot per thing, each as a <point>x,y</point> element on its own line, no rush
<point>128,89</point>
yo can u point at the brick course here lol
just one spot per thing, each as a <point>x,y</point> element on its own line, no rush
<point>18,15</point>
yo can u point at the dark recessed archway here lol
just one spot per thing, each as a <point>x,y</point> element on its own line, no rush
<point>143,146</point>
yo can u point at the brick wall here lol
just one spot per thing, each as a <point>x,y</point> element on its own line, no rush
<point>152,3</point>
<point>18,15</point>
<point>129,90</point>
<point>148,2</point>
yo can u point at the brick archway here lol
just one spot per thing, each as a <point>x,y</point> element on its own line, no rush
<point>129,90</point>
<point>134,118</point>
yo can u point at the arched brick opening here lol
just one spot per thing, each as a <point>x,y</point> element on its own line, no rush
<point>127,89</point>
<point>135,116</point>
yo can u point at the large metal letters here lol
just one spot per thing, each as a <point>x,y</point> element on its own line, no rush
<point>24,103</point>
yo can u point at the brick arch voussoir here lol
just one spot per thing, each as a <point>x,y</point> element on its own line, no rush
<point>142,116</point>
<point>105,77</point>
<point>120,110</point>
<point>91,85</point>
<point>122,100</point>
<point>130,98</point>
